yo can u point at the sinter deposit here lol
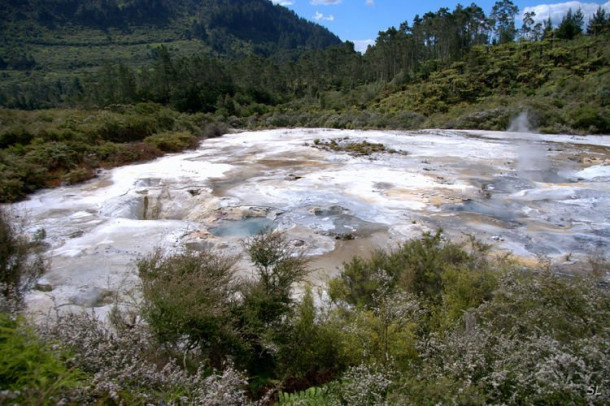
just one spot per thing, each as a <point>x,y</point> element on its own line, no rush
<point>333,195</point>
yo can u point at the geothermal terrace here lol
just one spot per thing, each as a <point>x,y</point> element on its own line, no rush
<point>530,194</point>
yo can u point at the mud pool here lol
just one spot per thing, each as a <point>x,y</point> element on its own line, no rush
<point>526,193</point>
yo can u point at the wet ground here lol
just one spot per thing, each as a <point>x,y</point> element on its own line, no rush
<point>525,193</point>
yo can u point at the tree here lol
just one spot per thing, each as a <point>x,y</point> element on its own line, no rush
<point>599,22</point>
<point>547,28</point>
<point>267,300</point>
<point>571,25</point>
<point>278,267</point>
<point>503,15</point>
<point>528,27</point>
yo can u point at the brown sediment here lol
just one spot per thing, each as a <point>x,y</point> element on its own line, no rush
<point>97,185</point>
<point>330,264</point>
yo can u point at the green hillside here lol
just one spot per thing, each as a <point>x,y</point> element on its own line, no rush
<point>68,35</point>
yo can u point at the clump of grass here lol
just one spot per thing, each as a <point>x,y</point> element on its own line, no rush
<point>362,148</point>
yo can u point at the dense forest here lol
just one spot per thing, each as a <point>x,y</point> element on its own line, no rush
<point>273,63</point>
<point>223,27</point>
<point>100,83</point>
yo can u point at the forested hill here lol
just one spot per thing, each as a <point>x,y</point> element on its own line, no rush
<point>221,27</point>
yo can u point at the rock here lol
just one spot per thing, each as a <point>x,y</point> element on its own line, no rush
<point>76,234</point>
<point>91,297</point>
<point>199,245</point>
<point>327,211</point>
<point>43,287</point>
<point>297,243</point>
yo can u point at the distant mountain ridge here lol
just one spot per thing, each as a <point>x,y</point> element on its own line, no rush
<point>220,27</point>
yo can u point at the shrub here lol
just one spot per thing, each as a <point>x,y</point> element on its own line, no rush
<point>127,128</point>
<point>187,300</point>
<point>172,141</point>
<point>53,156</point>
<point>31,372</point>
<point>20,263</point>
<point>268,301</point>
<point>416,266</point>
<point>78,175</point>
<point>311,351</point>
<point>133,152</point>
<point>12,136</point>
<point>541,339</point>
<point>278,267</point>
<point>125,367</point>
<point>591,119</point>
<point>212,130</point>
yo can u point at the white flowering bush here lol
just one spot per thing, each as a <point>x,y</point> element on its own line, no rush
<point>124,367</point>
<point>365,385</point>
<point>543,339</point>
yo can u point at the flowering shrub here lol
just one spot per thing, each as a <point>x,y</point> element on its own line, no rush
<point>542,339</point>
<point>430,323</point>
<point>124,366</point>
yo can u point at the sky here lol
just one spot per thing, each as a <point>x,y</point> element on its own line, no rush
<point>359,21</point>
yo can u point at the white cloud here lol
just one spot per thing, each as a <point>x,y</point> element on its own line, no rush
<point>283,2</point>
<point>362,44</point>
<point>325,2</point>
<point>319,16</point>
<point>558,10</point>
<point>370,3</point>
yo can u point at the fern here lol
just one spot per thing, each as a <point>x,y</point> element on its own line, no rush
<point>313,396</point>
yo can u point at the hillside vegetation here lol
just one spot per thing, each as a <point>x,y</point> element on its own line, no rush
<point>72,34</point>
<point>257,65</point>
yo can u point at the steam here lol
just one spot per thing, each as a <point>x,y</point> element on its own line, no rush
<point>520,124</point>
<point>532,162</point>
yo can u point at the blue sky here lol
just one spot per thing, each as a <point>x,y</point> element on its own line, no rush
<point>360,21</point>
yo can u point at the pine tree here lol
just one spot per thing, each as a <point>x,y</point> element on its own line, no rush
<point>600,22</point>
<point>571,25</point>
<point>503,15</point>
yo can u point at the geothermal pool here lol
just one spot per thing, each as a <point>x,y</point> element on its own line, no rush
<point>530,194</point>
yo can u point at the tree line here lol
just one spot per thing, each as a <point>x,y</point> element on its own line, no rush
<point>256,83</point>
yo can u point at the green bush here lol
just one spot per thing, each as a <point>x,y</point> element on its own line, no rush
<point>591,119</point>
<point>417,267</point>
<point>131,152</point>
<point>187,300</point>
<point>541,339</point>
<point>311,351</point>
<point>78,175</point>
<point>30,371</point>
<point>172,141</point>
<point>126,128</point>
<point>12,136</point>
<point>20,263</point>
<point>53,156</point>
